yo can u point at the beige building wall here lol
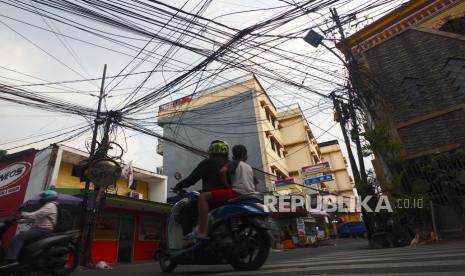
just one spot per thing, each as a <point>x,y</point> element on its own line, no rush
<point>271,139</point>
<point>298,139</point>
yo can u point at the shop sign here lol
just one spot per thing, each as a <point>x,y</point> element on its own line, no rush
<point>12,174</point>
<point>284,182</point>
<point>319,179</point>
<point>288,183</point>
<point>316,168</point>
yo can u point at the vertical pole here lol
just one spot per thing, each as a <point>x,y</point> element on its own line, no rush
<point>433,220</point>
<point>353,75</point>
<point>353,117</point>
<point>85,221</point>
<point>341,120</point>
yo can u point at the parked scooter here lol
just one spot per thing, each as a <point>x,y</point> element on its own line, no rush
<point>238,235</point>
<point>49,255</point>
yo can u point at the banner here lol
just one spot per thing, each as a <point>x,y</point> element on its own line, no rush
<point>14,179</point>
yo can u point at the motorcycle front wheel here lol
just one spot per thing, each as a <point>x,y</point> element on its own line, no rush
<point>253,248</point>
<point>166,263</point>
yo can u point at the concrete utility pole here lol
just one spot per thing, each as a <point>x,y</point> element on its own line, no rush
<point>354,75</point>
<point>85,215</point>
<point>342,122</point>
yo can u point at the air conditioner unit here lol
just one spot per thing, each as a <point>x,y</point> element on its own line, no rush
<point>136,195</point>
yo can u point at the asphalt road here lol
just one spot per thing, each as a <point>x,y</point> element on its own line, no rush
<point>346,257</point>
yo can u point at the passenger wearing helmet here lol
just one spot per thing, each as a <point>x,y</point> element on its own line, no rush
<point>214,185</point>
<point>43,223</point>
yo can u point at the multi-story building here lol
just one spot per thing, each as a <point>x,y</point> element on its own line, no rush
<point>279,142</point>
<point>413,69</point>
<point>239,112</point>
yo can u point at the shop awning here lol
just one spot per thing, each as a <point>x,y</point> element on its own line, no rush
<point>117,201</point>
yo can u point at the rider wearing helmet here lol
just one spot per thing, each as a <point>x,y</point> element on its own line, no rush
<point>43,223</point>
<point>209,169</point>
<point>214,185</point>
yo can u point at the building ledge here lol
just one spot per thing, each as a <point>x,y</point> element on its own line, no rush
<point>131,203</point>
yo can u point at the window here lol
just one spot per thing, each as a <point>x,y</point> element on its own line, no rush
<point>151,228</point>
<point>106,228</point>
<point>413,91</point>
<point>76,171</point>
<point>268,116</point>
<point>455,69</point>
<point>280,175</point>
<point>456,26</point>
<point>275,146</point>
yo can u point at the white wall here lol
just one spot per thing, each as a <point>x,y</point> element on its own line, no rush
<point>158,190</point>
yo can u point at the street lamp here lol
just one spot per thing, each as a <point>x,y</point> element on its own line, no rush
<point>103,172</point>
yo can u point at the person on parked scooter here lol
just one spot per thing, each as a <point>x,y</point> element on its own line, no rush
<point>43,223</point>
<point>242,182</point>
<point>208,170</point>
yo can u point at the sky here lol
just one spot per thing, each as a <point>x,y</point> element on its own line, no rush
<point>31,54</point>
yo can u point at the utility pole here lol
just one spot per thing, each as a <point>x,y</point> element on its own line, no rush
<point>85,215</point>
<point>342,122</point>
<point>354,75</point>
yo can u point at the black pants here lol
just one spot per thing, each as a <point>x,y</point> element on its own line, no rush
<point>190,213</point>
<point>19,240</point>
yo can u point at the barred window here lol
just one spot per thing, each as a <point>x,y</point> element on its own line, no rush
<point>413,89</point>
<point>455,69</point>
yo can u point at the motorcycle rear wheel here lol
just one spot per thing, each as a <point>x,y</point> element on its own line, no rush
<point>257,241</point>
<point>69,266</point>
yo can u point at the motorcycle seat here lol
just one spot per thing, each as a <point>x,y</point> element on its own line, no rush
<point>249,197</point>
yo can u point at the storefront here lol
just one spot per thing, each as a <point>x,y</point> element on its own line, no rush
<point>126,236</point>
<point>126,229</point>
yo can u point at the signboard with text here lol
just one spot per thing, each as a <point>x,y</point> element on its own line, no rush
<point>319,179</point>
<point>316,168</point>
<point>14,179</point>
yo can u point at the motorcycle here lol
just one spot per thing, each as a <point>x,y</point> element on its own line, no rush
<point>238,235</point>
<point>48,255</point>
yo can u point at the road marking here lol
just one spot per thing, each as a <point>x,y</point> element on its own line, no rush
<point>356,266</point>
<point>365,260</point>
<point>359,256</point>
